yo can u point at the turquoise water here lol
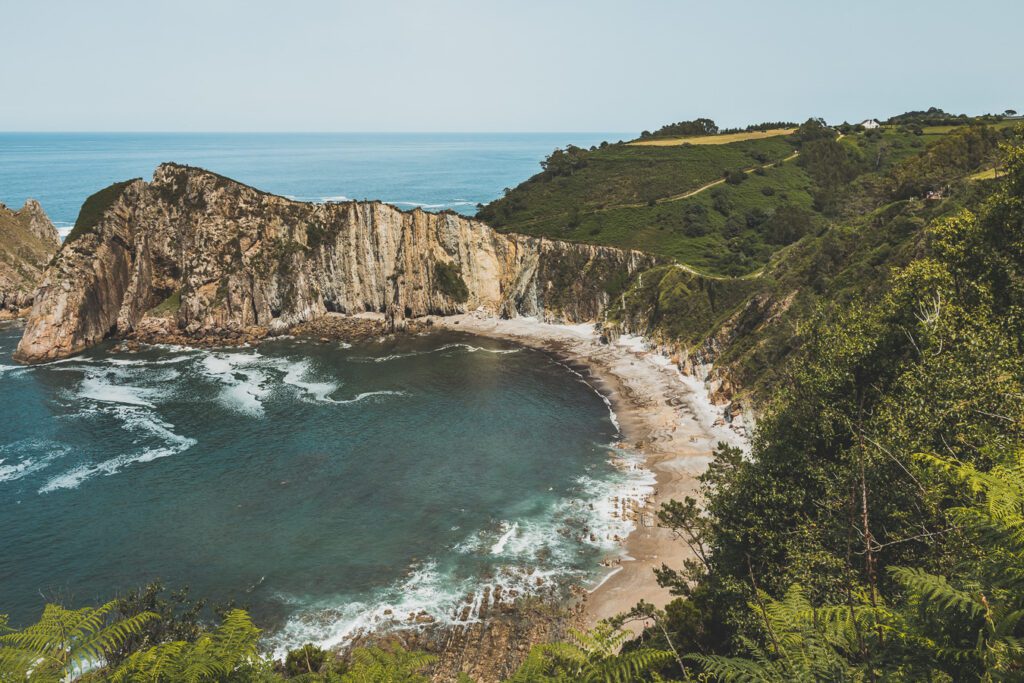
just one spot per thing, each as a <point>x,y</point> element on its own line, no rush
<point>435,171</point>
<point>319,485</point>
<point>328,489</point>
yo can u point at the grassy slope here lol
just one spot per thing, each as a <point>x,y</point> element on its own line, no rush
<point>663,228</point>
<point>623,174</point>
<point>635,196</point>
<point>847,255</point>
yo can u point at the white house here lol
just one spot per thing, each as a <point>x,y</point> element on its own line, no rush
<point>869,124</point>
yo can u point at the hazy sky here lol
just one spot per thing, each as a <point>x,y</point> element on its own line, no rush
<point>479,65</point>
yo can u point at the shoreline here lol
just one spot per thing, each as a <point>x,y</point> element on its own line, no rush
<point>660,415</point>
<point>667,428</point>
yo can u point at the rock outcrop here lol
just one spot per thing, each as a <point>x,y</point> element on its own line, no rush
<point>210,255</point>
<point>28,241</point>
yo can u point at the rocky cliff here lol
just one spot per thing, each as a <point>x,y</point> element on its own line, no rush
<point>209,255</point>
<point>28,241</point>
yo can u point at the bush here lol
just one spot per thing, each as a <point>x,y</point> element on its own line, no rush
<point>735,177</point>
<point>720,202</point>
<point>307,659</point>
<point>448,280</point>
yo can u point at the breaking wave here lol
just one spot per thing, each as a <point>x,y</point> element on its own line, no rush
<point>468,348</point>
<point>141,423</point>
<point>536,555</point>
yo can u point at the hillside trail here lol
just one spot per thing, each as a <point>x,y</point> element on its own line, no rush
<point>671,198</point>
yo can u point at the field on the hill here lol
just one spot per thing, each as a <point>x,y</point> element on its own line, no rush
<point>723,139</point>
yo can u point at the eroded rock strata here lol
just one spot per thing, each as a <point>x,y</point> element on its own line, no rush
<point>28,241</point>
<point>200,254</point>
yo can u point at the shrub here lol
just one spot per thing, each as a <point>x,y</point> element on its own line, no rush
<point>307,659</point>
<point>448,280</point>
<point>735,177</point>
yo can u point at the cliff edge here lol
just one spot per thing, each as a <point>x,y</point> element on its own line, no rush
<point>28,241</point>
<point>204,254</point>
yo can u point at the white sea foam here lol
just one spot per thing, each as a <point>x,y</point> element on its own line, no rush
<point>42,453</point>
<point>607,401</point>
<point>297,375</point>
<point>139,421</point>
<point>370,394</point>
<point>424,591</point>
<point>13,369</point>
<point>426,596</point>
<point>534,555</point>
<point>98,387</point>
<point>243,382</point>
<point>499,547</point>
<point>469,348</point>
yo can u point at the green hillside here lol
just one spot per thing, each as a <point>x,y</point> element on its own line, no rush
<point>763,232</point>
<point>722,209</point>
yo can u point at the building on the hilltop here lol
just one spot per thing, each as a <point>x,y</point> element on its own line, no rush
<point>870,124</point>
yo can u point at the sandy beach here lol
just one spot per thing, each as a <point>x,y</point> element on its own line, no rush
<point>662,414</point>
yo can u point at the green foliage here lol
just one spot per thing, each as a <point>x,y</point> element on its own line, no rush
<point>592,657</point>
<point>169,306</point>
<point>228,651</point>
<point>177,617</point>
<point>564,162</point>
<point>830,510</point>
<point>684,129</point>
<point>94,207</point>
<point>620,177</point>
<point>64,643</point>
<point>391,664</point>
<point>801,643</point>
<point>954,156</point>
<point>307,659</point>
<point>448,280</point>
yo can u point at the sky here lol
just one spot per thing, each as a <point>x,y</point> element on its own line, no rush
<point>481,65</point>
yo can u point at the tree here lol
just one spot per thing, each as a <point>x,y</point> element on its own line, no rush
<point>564,162</point>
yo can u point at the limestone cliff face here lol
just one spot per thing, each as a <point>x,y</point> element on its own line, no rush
<point>212,255</point>
<point>28,241</point>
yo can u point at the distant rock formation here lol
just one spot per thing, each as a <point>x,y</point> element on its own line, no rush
<point>28,241</point>
<point>210,255</point>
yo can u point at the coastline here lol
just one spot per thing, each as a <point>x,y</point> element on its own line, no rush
<point>662,415</point>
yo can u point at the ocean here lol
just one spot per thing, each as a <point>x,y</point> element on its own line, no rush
<point>328,488</point>
<point>431,170</point>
